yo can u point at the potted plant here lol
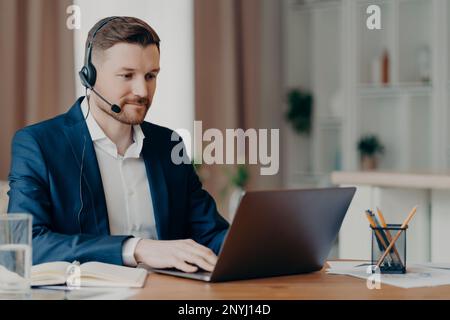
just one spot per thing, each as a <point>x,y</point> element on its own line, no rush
<point>369,146</point>
<point>300,110</point>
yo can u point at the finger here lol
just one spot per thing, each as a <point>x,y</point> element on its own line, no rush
<point>202,251</point>
<point>199,261</point>
<point>185,267</point>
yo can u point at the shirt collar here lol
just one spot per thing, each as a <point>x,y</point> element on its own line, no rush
<point>101,139</point>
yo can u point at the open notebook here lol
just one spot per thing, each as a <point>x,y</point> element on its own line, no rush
<point>89,274</point>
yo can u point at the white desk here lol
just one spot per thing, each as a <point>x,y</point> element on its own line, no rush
<point>428,236</point>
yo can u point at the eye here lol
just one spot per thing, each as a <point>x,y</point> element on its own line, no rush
<point>150,76</point>
<point>126,76</point>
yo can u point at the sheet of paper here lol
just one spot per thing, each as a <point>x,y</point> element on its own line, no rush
<point>415,277</point>
<point>345,265</point>
<point>436,265</point>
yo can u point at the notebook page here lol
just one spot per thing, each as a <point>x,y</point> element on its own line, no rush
<point>103,274</point>
<point>49,273</point>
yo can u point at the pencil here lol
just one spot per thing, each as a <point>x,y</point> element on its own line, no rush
<point>410,216</point>
<point>383,222</point>
<point>388,233</point>
<point>377,231</point>
<point>404,224</point>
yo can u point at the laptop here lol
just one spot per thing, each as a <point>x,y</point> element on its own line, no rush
<point>277,233</point>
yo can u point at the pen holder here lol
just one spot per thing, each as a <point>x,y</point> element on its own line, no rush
<point>395,260</point>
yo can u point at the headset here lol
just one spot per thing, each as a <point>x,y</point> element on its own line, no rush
<point>81,192</point>
<point>88,76</point>
<point>88,73</point>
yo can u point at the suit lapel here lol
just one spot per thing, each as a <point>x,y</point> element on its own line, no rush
<point>78,136</point>
<point>158,187</point>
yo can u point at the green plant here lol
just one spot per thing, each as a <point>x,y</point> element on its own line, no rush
<point>300,110</point>
<point>241,176</point>
<point>370,145</point>
<point>237,178</point>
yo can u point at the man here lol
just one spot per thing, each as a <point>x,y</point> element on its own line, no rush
<point>100,182</point>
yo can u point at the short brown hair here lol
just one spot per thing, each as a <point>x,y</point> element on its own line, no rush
<point>122,29</point>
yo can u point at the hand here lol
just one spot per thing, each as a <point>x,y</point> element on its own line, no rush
<point>185,255</point>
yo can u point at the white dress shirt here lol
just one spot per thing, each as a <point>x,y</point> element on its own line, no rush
<point>127,191</point>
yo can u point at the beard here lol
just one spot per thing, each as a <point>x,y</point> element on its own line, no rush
<point>133,110</point>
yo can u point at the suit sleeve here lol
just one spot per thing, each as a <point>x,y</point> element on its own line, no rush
<point>30,193</point>
<point>207,225</point>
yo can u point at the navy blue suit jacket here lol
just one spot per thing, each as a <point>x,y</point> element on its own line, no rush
<point>45,182</point>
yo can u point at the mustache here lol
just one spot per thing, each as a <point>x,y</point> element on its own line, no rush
<point>139,101</point>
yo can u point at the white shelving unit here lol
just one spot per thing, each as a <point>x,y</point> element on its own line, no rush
<point>330,51</point>
<point>413,128</point>
<point>312,57</point>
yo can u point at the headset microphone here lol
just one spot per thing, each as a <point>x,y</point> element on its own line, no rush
<point>114,107</point>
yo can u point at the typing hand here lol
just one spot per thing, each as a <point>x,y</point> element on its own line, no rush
<point>185,255</point>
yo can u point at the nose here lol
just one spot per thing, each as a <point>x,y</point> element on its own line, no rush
<point>140,88</point>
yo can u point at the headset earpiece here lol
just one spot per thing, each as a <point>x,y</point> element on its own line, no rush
<point>88,74</point>
<point>84,77</point>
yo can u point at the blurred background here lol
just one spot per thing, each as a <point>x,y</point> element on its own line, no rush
<point>354,105</point>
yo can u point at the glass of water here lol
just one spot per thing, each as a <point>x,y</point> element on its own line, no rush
<point>15,252</point>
